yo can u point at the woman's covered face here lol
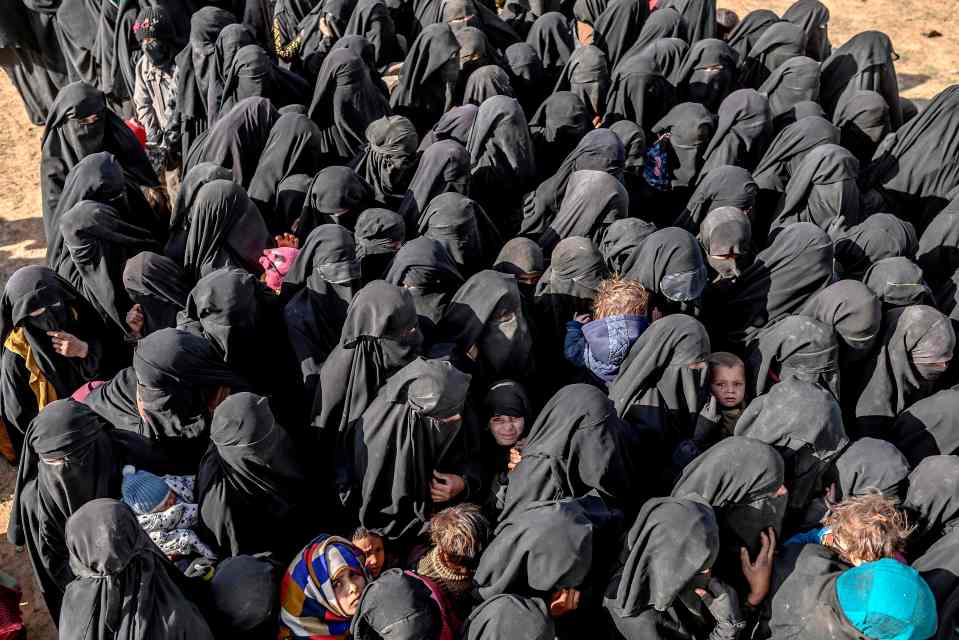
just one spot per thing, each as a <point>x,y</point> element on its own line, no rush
<point>506,430</point>
<point>347,587</point>
<point>89,131</point>
<point>374,555</point>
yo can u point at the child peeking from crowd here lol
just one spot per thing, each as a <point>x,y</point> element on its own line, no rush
<point>727,381</point>
<point>374,551</point>
<point>154,91</point>
<point>601,342</point>
<point>166,511</point>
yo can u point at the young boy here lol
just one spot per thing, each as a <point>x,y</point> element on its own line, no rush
<point>600,343</point>
<point>727,381</point>
<point>374,551</point>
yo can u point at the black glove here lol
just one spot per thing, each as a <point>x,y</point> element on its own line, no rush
<point>723,603</point>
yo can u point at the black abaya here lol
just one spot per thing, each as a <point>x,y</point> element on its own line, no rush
<point>182,218</point>
<point>879,236</point>
<point>159,285</point>
<point>593,201</point>
<point>443,167</point>
<point>389,158</point>
<point>424,267</point>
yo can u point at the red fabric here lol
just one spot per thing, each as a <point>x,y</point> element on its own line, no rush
<point>11,620</point>
<point>139,131</point>
<point>81,394</point>
<point>451,624</point>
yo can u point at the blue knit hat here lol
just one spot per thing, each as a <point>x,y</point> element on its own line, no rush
<point>143,491</point>
<point>887,600</point>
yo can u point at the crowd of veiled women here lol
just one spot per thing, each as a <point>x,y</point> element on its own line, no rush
<point>435,319</point>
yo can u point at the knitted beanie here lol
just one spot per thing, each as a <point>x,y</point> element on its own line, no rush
<point>143,491</point>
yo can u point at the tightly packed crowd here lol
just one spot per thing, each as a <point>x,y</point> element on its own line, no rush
<point>434,319</point>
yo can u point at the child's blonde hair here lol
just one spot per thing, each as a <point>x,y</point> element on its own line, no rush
<point>620,297</point>
<point>461,533</point>
<point>867,528</point>
<point>726,360</point>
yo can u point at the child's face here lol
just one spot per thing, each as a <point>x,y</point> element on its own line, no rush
<point>167,503</point>
<point>372,548</point>
<point>506,430</point>
<point>347,587</point>
<point>728,385</point>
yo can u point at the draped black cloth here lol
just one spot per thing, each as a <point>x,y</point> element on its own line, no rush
<point>371,19</point>
<point>708,73</point>
<point>622,241</point>
<point>795,347</point>
<point>793,82</point>
<point>424,267</point>
<point>724,186</point>
<point>463,228</point>
<point>68,459</point>
<point>743,131</point>
<point>159,285</point>
<point>424,91</point>
<point>593,201</point>
<point>124,588</point>
<point>618,27</point>
<point>237,140</point>
<point>553,41</point>
<point>509,615</point>
<point>745,35</point>
<point>487,81</point>
<point>443,167</point>
<point>252,484</point>
<point>879,236</point>
<point>898,282</point>
<point>389,158</point>
<point>587,74</point>
<point>777,44</point>
<point>670,266</point>
<point>700,17</point>
<point>813,17</point>
<point>336,195</point>
<point>413,427</point>
<point>871,465</point>
<point>182,217</point>
<point>379,234</point>
<point>863,118</point>
<point>788,149</point>
<point>865,61</point>
<point>853,312</point>
<point>228,43</point>
<point>639,92</point>
<point>926,428</point>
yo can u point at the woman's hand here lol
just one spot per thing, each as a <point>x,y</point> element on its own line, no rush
<point>68,345</point>
<point>135,321</point>
<point>515,457</point>
<point>287,240</point>
<point>758,573</point>
<point>563,601</point>
<point>446,486</point>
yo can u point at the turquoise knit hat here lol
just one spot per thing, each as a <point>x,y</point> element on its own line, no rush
<point>887,600</point>
<point>143,491</point>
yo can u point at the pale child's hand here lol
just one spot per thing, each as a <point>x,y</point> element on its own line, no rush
<point>135,320</point>
<point>68,345</point>
<point>583,318</point>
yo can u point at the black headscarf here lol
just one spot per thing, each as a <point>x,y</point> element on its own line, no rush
<point>587,74</point>
<point>700,17</point>
<point>743,131</point>
<point>226,230</point>
<point>670,266</point>
<point>938,255</point>
<point>640,92</point>
<point>618,27</point>
<point>914,338</point>
<point>380,336</point>
<point>745,35</point>
<point>813,17</point>
<point>68,459</point>
<point>65,142</point>
<point>666,54</point>
<point>663,23</point>
<point>870,465</point>
<point>914,170</point>
<point>794,81</point>
<point>125,588</point>
<point>173,374</point>
<point>777,44</point>
<point>865,61</point>
<point>159,285</point>
<point>738,477</point>
<point>97,177</point>
<point>522,258</point>
<point>503,164</point>
<point>593,201</point>
<point>879,236</point>
<point>690,127</point>
<point>324,276</point>
<point>487,81</point>
<point>98,243</point>
<point>423,94</point>
<point>510,616</point>
<point>796,347</point>
<point>525,71</point>
<point>577,446</point>
<point>454,125</point>
<point>336,195</point>
<point>622,241</point>
<point>293,147</point>
<point>599,150</point>
<point>898,282</point>
<point>425,268</point>
<point>231,39</point>
<point>804,423</point>
<point>371,19</point>
<point>238,139</point>
<point>727,186</point>
<point>552,39</point>
<point>699,79</point>
<point>783,277</point>
<point>926,428</point>
<point>345,103</point>
<point>182,217</point>
<point>399,604</point>
<point>725,233</point>
<point>464,230</point>
<point>388,159</point>
<point>557,126</point>
<point>822,190</point>
<point>379,234</point>
<point>399,442</point>
<point>863,119</point>
<point>789,147</point>
<point>543,547</point>
<point>853,312</point>
<point>28,290</point>
<point>251,486</point>
<point>443,167</point>
<point>656,389</point>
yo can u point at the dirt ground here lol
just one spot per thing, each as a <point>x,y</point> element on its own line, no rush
<point>926,66</point>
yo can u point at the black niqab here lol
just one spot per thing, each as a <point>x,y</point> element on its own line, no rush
<point>424,267</point>
<point>336,195</point>
<point>443,167</point>
<point>159,285</point>
<point>879,236</point>
<point>388,160</point>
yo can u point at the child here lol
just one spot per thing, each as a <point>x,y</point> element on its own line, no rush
<point>727,381</point>
<point>861,529</point>
<point>619,317</point>
<point>166,511</point>
<point>374,552</point>
<point>458,535</point>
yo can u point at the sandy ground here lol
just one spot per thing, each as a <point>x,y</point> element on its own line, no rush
<point>927,65</point>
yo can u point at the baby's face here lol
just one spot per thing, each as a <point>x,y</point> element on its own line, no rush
<point>728,385</point>
<point>167,503</point>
